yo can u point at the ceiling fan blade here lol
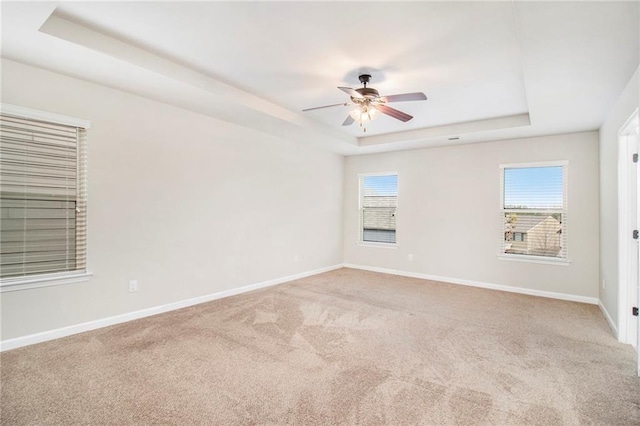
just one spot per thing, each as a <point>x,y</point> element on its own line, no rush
<point>325,106</point>
<point>348,121</point>
<point>392,112</point>
<point>417,96</point>
<point>351,92</point>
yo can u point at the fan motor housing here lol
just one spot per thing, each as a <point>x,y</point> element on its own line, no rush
<point>368,92</point>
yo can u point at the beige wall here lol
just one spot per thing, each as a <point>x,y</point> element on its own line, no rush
<point>189,205</point>
<point>186,204</point>
<point>448,213</point>
<point>609,153</point>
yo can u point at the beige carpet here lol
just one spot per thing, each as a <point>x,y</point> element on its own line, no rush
<point>345,347</point>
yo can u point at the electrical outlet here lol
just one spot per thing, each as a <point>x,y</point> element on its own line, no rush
<point>604,284</point>
<point>133,286</point>
<point>410,258</point>
<point>296,258</point>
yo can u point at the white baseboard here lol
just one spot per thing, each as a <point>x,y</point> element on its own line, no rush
<point>31,339</point>
<point>608,318</point>
<point>500,287</point>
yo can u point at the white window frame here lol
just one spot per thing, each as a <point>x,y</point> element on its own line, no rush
<point>529,258</point>
<point>51,279</point>
<point>361,177</point>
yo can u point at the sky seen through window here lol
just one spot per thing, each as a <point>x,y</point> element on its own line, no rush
<point>534,188</point>
<point>386,185</point>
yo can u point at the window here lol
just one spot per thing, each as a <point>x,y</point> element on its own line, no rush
<point>378,206</point>
<point>534,211</point>
<point>43,197</point>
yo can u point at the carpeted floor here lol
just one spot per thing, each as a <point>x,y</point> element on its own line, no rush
<point>344,347</point>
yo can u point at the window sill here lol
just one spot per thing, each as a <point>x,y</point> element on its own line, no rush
<point>534,259</point>
<point>379,245</point>
<point>37,281</point>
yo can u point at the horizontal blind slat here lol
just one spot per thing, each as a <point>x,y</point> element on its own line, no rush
<point>34,235</point>
<point>17,258</point>
<point>34,224</point>
<point>38,268</point>
<point>68,213</point>
<point>35,246</point>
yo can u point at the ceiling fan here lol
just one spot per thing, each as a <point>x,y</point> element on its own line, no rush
<point>368,103</point>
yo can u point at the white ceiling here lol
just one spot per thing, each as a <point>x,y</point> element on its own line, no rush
<point>491,70</point>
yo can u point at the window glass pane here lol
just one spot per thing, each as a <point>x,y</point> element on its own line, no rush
<point>534,188</point>
<point>378,214</point>
<point>534,213</point>
<point>379,235</point>
<point>533,234</point>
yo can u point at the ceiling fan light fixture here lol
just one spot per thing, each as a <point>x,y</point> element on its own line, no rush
<point>373,113</point>
<point>364,113</point>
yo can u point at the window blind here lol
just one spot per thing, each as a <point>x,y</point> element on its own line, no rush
<point>534,211</point>
<point>378,205</point>
<point>43,193</point>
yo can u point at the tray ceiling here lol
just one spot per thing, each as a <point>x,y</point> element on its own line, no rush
<point>491,70</point>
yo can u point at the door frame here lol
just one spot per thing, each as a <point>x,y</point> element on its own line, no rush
<point>626,223</point>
